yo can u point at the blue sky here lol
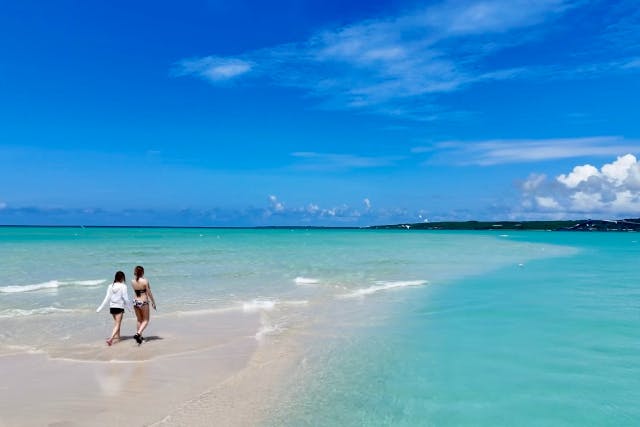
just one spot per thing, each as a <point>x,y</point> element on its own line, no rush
<point>318,112</point>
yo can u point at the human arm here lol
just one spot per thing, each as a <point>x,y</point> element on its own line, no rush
<point>153,301</point>
<point>126,299</point>
<point>106,298</point>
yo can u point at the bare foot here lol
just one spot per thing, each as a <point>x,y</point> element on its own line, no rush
<point>109,342</point>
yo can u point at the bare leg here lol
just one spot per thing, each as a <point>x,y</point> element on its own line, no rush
<point>117,318</point>
<point>139,318</point>
<point>144,311</point>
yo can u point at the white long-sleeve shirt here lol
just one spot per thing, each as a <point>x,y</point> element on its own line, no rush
<point>117,296</point>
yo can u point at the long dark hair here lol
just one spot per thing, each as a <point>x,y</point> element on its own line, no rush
<point>138,272</point>
<point>119,277</point>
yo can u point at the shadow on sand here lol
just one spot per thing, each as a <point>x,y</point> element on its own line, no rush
<point>149,338</point>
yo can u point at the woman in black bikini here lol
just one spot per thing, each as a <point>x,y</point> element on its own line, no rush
<point>141,300</point>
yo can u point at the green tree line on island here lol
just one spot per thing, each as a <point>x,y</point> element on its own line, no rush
<point>567,225</point>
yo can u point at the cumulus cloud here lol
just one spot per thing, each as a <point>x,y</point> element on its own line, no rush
<point>276,205</point>
<point>313,214</point>
<point>547,202</point>
<point>579,174</point>
<point>613,189</point>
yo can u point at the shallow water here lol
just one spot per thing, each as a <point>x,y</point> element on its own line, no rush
<point>397,327</point>
<point>553,341</point>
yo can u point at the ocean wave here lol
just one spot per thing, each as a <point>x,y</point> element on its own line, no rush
<point>383,286</point>
<point>268,305</point>
<point>267,330</point>
<point>252,306</point>
<point>306,281</point>
<point>28,288</point>
<point>17,312</point>
<point>258,305</point>
<point>202,312</point>
<point>52,284</point>
<point>85,282</point>
<point>294,302</point>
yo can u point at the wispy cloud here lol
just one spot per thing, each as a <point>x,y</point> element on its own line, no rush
<point>479,17</point>
<point>212,68</point>
<point>391,65</point>
<point>331,161</point>
<point>622,32</point>
<point>613,189</point>
<point>493,152</point>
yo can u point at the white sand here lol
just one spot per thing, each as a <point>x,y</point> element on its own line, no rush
<point>195,370</point>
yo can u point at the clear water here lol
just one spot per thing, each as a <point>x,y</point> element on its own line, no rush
<point>400,328</point>
<point>553,342</point>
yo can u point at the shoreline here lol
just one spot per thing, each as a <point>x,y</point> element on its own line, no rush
<point>201,367</point>
<point>242,355</point>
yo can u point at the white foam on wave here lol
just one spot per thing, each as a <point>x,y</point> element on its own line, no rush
<point>258,305</point>
<point>17,312</point>
<point>383,286</point>
<point>202,312</point>
<point>267,330</point>
<point>294,302</point>
<point>252,306</point>
<point>306,281</point>
<point>85,282</point>
<point>51,284</point>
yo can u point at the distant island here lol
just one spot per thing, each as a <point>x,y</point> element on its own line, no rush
<point>572,225</point>
<point>579,225</point>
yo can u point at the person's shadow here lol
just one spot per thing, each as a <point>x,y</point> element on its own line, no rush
<point>149,338</point>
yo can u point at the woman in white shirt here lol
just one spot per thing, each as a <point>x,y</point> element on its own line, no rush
<point>118,299</point>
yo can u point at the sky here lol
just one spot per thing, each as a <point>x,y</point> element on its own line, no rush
<point>320,113</point>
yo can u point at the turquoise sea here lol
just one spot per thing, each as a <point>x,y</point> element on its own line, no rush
<point>399,328</point>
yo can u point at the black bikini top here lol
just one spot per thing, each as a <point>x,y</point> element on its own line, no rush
<point>140,291</point>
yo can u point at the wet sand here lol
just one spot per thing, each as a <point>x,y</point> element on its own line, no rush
<point>208,369</point>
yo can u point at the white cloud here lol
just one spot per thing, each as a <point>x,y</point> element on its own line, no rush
<point>579,174</point>
<point>493,152</point>
<point>534,181</point>
<point>390,65</point>
<point>618,171</point>
<point>478,17</point>
<point>585,202</point>
<point>613,189</point>
<point>367,203</point>
<point>547,202</point>
<point>213,68</point>
<point>276,205</point>
<point>329,161</point>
